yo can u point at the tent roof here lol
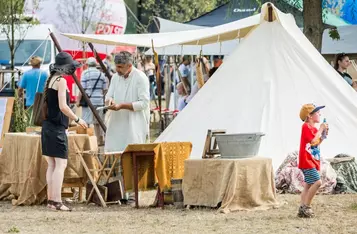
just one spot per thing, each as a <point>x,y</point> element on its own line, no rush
<point>346,44</point>
<point>230,31</point>
<point>237,10</point>
<point>261,88</point>
<point>172,26</point>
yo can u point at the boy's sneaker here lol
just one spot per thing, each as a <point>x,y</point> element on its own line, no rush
<point>305,212</point>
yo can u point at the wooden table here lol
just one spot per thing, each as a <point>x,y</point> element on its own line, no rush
<point>23,168</point>
<point>152,166</point>
<point>135,156</point>
<point>236,184</point>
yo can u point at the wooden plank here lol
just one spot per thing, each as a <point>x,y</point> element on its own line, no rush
<point>7,118</point>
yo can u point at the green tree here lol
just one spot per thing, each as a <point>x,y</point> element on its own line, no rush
<point>14,22</point>
<point>176,10</point>
<point>314,15</point>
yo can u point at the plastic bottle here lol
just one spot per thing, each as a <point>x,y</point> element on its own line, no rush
<point>323,135</point>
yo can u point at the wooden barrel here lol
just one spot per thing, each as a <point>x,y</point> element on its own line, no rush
<point>168,199</point>
<point>176,187</point>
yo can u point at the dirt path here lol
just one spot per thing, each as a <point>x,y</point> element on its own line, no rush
<point>335,214</point>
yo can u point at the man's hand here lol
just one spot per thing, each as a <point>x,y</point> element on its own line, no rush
<point>115,107</point>
<point>109,102</point>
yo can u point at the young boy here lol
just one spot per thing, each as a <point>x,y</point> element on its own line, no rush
<point>309,156</point>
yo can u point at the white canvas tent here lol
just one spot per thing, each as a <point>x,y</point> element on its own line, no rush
<point>260,87</point>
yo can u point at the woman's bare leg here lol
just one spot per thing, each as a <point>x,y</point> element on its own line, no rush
<point>49,175</point>
<point>57,178</point>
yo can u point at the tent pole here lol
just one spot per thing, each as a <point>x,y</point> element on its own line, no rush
<point>101,64</point>
<point>85,96</point>
<point>270,12</point>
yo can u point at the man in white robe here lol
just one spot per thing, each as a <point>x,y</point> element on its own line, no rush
<point>129,100</point>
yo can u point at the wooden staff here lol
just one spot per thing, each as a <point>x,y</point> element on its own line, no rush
<point>167,84</point>
<point>158,83</point>
<point>84,95</point>
<point>101,64</point>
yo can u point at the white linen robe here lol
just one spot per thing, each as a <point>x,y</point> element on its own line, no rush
<point>125,126</point>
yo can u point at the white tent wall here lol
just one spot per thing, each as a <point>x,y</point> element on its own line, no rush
<point>261,88</point>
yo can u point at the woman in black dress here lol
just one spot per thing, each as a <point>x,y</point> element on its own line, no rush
<point>54,127</point>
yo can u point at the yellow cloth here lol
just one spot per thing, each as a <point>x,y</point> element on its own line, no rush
<point>23,168</point>
<point>167,163</point>
<point>240,184</point>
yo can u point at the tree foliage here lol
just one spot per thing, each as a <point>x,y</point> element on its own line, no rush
<point>70,10</point>
<point>14,22</point>
<point>179,10</point>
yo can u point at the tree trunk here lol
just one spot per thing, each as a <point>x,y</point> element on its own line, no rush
<point>313,25</point>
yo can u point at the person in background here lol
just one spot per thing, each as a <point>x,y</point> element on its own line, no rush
<point>195,86</point>
<point>184,70</point>
<point>33,81</point>
<point>181,103</point>
<point>95,85</point>
<point>149,70</point>
<point>108,62</point>
<point>217,61</point>
<point>54,140</point>
<point>342,62</point>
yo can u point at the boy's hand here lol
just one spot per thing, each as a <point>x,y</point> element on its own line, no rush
<point>323,126</point>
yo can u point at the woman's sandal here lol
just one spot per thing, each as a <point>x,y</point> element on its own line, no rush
<point>50,204</point>
<point>60,206</point>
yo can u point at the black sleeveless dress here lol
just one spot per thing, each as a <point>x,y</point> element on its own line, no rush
<point>53,135</point>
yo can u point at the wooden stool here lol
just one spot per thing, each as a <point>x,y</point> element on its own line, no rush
<point>103,171</point>
<point>210,149</point>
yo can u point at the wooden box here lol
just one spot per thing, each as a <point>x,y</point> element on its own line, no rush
<point>80,130</point>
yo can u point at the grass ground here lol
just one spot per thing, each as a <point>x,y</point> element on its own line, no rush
<point>334,214</point>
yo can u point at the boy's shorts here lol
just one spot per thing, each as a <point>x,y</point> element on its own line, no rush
<point>311,175</point>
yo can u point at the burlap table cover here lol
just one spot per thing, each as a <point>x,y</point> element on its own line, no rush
<point>168,163</point>
<point>239,184</point>
<point>23,168</point>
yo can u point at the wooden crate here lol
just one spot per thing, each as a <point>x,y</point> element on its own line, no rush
<point>80,130</point>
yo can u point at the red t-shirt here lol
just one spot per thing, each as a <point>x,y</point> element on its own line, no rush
<point>309,156</point>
